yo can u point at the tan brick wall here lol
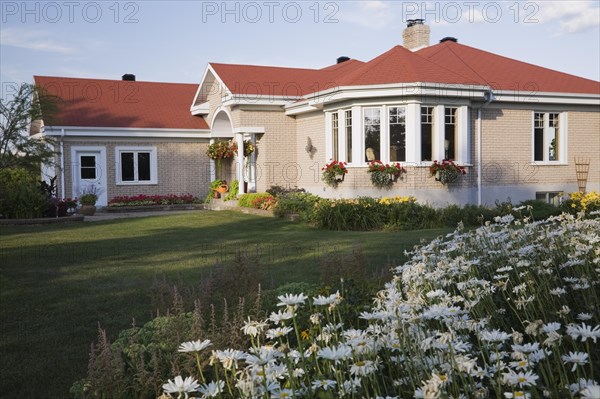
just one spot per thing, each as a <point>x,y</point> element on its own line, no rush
<point>507,148</point>
<point>183,168</point>
<point>276,148</point>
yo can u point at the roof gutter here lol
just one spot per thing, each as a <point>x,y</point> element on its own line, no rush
<point>488,97</point>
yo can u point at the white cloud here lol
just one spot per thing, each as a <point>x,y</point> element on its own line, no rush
<point>33,40</point>
<point>573,16</point>
<point>374,14</point>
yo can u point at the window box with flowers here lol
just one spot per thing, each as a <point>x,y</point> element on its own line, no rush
<point>334,172</point>
<point>446,171</point>
<point>383,175</point>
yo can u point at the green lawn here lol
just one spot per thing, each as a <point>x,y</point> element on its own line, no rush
<point>58,282</point>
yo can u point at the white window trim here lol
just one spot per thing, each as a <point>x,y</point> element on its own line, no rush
<point>135,149</point>
<point>413,133</point>
<point>563,123</point>
<point>387,151</point>
<point>382,111</point>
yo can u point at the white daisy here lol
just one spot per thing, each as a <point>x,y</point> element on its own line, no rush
<point>194,346</point>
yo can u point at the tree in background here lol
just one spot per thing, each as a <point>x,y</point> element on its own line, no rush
<point>26,109</point>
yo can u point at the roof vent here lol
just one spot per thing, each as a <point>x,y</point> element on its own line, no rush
<point>129,77</point>
<point>343,58</point>
<point>449,39</point>
<point>413,22</point>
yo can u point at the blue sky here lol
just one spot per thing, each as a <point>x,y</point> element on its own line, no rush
<point>173,41</point>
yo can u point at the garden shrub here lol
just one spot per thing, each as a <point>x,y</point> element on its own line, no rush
<point>297,202</point>
<point>411,216</point>
<point>278,191</point>
<point>539,209</point>
<point>580,202</point>
<point>362,214</point>
<point>20,195</point>
<point>246,200</point>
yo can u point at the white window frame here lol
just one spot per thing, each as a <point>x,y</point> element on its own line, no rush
<point>413,133</point>
<point>387,152</point>
<point>136,149</point>
<point>382,131</point>
<point>562,138</point>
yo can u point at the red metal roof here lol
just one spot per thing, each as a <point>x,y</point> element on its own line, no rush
<point>125,104</point>
<point>502,73</point>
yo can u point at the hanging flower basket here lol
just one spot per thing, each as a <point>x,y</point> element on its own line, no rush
<point>334,173</point>
<point>446,172</point>
<point>220,150</point>
<point>383,175</point>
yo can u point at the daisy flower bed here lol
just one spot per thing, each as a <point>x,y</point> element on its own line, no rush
<point>510,310</point>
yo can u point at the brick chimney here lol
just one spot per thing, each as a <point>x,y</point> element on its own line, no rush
<point>416,35</point>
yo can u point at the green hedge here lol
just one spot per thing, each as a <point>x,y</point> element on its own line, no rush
<point>367,213</point>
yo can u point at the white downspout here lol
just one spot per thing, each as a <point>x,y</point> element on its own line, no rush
<point>62,163</point>
<point>489,97</point>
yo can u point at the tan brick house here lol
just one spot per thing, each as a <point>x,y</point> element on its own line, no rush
<point>516,127</point>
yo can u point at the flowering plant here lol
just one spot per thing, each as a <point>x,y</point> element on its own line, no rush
<point>446,171</point>
<point>221,149</point>
<point>145,200</point>
<point>334,172</point>
<point>384,174</point>
<point>249,148</point>
<point>506,311</point>
<point>89,196</point>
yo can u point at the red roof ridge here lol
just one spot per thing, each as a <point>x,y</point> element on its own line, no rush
<point>111,80</point>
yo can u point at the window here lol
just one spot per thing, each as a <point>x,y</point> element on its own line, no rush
<point>397,120</point>
<point>348,120</point>
<point>335,138</point>
<point>88,167</point>
<point>550,197</point>
<point>136,165</point>
<point>450,133</point>
<point>426,133</point>
<point>372,134</point>
<point>546,136</point>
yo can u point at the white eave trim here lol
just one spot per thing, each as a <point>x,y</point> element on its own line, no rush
<point>316,101</point>
<point>84,131</point>
<point>249,129</point>
<point>201,109</point>
<point>258,99</point>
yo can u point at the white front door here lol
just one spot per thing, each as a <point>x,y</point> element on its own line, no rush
<point>89,172</point>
